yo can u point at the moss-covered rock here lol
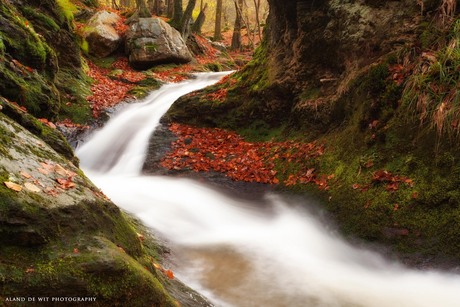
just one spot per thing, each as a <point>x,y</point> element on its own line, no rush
<point>60,236</point>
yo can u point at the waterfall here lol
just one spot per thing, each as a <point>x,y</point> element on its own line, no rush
<point>237,252</point>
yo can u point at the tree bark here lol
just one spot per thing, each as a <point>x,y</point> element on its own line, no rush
<point>142,9</point>
<point>177,15</point>
<point>236,37</point>
<point>257,8</point>
<point>200,20</point>
<point>170,9</point>
<point>186,19</point>
<point>218,24</point>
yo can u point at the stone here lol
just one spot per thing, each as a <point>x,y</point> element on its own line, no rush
<point>151,41</point>
<point>101,35</point>
<point>219,46</point>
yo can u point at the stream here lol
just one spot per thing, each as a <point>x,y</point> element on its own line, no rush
<point>246,252</point>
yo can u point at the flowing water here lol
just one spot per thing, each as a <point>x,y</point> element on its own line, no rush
<point>242,252</point>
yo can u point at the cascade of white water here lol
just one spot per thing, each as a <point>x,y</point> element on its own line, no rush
<point>242,254</point>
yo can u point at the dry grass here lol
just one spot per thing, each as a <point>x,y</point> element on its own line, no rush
<point>446,11</point>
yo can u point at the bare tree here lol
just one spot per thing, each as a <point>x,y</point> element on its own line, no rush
<point>125,3</point>
<point>187,19</point>
<point>218,24</point>
<point>151,5</point>
<point>142,9</point>
<point>177,15</point>
<point>257,8</point>
<point>236,37</point>
<point>169,8</point>
<point>198,24</point>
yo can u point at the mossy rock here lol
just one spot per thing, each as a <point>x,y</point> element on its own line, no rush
<point>51,136</point>
<point>68,241</point>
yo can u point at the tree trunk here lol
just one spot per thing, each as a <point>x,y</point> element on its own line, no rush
<point>236,37</point>
<point>177,16</point>
<point>170,9</point>
<point>158,7</point>
<point>151,6</point>
<point>125,3</point>
<point>142,9</point>
<point>257,8</point>
<point>186,19</point>
<point>200,20</point>
<point>218,25</point>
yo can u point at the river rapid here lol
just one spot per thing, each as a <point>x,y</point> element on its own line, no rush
<point>245,252</point>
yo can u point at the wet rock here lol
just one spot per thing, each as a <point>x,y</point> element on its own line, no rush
<point>101,35</point>
<point>151,41</point>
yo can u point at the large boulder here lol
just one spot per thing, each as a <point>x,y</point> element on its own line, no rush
<point>101,35</point>
<point>151,41</point>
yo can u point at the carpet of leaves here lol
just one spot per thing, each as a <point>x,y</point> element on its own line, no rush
<point>107,92</point>
<point>206,149</point>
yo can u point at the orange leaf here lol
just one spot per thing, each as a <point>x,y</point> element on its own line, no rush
<point>13,186</point>
<point>32,187</point>
<point>170,274</point>
<point>25,175</point>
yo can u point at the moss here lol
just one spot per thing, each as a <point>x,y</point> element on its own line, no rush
<point>35,14</point>
<point>2,46</point>
<point>76,87</point>
<point>214,67</point>
<point>84,46</point>
<point>106,62</point>
<point>94,251</point>
<point>144,87</point>
<point>51,136</point>
<point>151,47</point>
<point>67,9</point>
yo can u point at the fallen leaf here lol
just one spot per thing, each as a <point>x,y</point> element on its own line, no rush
<point>43,171</point>
<point>60,170</point>
<point>51,191</point>
<point>76,251</point>
<point>25,175</point>
<point>65,183</point>
<point>170,274</point>
<point>13,186</point>
<point>32,187</point>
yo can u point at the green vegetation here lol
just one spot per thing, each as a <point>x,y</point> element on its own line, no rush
<point>431,92</point>
<point>67,9</point>
<point>76,87</point>
<point>33,14</point>
<point>144,87</point>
